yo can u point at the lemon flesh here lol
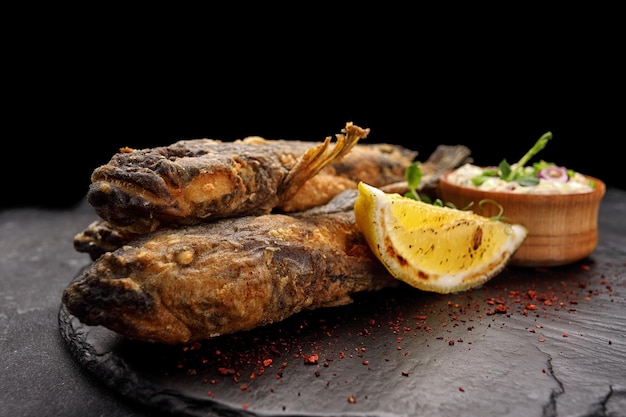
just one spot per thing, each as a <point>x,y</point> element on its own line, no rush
<point>433,248</point>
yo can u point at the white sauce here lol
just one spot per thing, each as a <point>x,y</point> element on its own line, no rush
<point>463,175</point>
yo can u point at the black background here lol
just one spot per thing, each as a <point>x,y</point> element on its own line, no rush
<point>78,93</point>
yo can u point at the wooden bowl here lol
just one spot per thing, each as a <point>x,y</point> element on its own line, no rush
<point>562,228</point>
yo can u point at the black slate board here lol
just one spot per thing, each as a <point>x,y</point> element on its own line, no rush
<point>530,342</point>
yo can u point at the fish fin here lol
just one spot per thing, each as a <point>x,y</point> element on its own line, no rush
<point>316,158</point>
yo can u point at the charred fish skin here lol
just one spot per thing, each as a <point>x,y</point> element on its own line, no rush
<point>380,164</point>
<point>198,282</point>
<point>192,181</point>
<point>99,237</point>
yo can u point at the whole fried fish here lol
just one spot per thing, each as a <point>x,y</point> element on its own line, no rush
<point>381,165</point>
<point>192,181</point>
<point>201,281</point>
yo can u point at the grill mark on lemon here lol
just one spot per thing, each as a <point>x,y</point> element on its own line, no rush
<point>431,247</point>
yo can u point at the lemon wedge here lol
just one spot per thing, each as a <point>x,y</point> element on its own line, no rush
<point>434,248</point>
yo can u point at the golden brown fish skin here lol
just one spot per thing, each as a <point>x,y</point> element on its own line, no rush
<point>382,165</point>
<point>198,282</point>
<point>191,181</point>
<point>375,164</point>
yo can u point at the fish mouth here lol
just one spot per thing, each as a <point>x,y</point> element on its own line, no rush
<point>128,197</point>
<point>99,298</point>
<point>96,299</point>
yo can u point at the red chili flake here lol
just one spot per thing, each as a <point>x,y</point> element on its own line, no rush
<point>226,371</point>
<point>543,370</point>
<point>243,387</point>
<point>267,362</point>
<point>366,362</point>
<point>531,307</point>
<point>420,317</point>
<point>191,372</point>
<point>500,308</point>
<point>317,373</point>
<point>244,406</point>
<point>399,347</point>
<point>461,389</point>
<point>209,393</point>
<point>310,359</point>
<point>565,335</point>
<point>451,342</point>
<point>405,373</point>
<point>351,399</point>
<point>541,339</point>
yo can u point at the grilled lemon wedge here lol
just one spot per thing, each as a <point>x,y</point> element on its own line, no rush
<point>433,248</point>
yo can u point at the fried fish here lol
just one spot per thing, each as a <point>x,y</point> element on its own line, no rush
<point>192,181</point>
<point>201,281</point>
<point>204,238</point>
<point>381,165</point>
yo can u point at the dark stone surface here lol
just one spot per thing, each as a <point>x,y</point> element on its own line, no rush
<point>556,347</point>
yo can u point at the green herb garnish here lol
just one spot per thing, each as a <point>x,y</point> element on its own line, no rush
<point>413,175</point>
<point>518,172</point>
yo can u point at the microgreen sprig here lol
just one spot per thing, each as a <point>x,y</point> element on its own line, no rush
<point>413,175</point>
<point>517,172</point>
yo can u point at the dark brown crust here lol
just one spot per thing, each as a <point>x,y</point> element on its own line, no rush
<point>99,237</point>
<point>379,165</point>
<point>192,181</point>
<point>197,282</point>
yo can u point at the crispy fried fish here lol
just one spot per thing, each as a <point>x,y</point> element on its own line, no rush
<point>201,281</point>
<point>191,181</point>
<point>380,165</point>
<point>376,164</point>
